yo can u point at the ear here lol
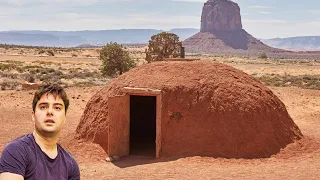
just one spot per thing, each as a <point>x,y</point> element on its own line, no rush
<point>33,117</point>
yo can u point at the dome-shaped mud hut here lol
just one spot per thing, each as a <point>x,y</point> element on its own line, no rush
<point>187,108</point>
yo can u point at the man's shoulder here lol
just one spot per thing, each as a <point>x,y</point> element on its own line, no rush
<point>22,142</point>
<point>17,155</point>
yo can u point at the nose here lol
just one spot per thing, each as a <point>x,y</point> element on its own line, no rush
<point>50,110</point>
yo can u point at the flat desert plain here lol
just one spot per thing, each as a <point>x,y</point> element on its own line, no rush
<point>299,160</point>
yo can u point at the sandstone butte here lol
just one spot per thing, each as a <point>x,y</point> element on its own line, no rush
<point>222,33</point>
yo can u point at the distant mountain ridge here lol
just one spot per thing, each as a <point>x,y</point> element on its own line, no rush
<point>132,36</point>
<point>76,38</point>
<point>300,43</point>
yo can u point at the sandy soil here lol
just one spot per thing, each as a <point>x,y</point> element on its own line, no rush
<point>300,160</point>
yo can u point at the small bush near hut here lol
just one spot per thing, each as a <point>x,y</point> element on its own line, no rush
<point>115,60</point>
<point>163,45</point>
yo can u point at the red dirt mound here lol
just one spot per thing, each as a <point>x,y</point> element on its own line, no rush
<point>223,112</point>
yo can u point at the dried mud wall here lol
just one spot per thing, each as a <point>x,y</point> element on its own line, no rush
<point>93,125</point>
<point>234,122</point>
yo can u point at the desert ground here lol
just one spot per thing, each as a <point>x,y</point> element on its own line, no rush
<point>295,82</point>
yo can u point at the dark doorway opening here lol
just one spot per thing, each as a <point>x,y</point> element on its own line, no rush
<point>143,125</point>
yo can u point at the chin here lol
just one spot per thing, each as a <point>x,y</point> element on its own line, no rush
<point>48,133</point>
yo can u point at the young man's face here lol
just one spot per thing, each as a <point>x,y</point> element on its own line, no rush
<point>49,115</point>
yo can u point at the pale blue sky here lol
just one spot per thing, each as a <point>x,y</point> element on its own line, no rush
<point>262,19</point>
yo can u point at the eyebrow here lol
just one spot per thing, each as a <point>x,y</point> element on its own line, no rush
<point>45,103</point>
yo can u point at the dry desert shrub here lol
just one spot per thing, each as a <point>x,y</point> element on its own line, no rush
<point>29,78</point>
<point>286,80</point>
<point>263,55</point>
<point>41,51</point>
<point>8,75</point>
<point>13,73</point>
<point>50,52</point>
<point>44,62</point>
<point>11,66</point>
<point>84,84</point>
<point>9,85</point>
<point>7,67</point>
<point>81,75</point>
<point>21,52</point>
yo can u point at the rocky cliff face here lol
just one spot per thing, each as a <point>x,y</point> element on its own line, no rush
<point>221,32</point>
<point>220,15</point>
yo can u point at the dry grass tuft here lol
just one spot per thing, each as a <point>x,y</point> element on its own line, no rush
<point>302,81</point>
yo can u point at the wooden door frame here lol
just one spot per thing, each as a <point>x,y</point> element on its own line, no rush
<point>119,126</point>
<point>158,94</point>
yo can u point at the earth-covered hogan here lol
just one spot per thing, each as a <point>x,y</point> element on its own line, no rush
<point>187,108</point>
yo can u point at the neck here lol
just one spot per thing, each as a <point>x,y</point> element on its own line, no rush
<point>47,144</point>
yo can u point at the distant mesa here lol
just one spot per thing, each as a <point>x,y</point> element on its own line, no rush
<point>86,46</point>
<point>221,31</point>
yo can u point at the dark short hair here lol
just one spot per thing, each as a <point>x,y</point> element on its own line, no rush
<point>55,90</point>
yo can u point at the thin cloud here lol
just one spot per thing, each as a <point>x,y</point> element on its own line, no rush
<point>313,11</point>
<point>53,2</point>
<point>313,23</point>
<point>245,14</point>
<point>310,11</point>
<point>264,21</point>
<point>260,7</point>
<point>80,21</point>
<point>279,28</point>
<point>202,1</point>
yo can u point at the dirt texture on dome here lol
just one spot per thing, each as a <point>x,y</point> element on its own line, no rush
<point>224,111</point>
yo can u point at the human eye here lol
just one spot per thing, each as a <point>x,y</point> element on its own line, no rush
<point>42,107</point>
<point>58,108</point>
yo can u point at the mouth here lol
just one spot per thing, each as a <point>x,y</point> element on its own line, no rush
<point>49,121</point>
